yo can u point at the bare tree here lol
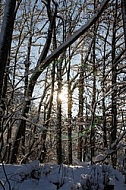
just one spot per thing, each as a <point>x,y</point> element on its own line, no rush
<point>53,54</point>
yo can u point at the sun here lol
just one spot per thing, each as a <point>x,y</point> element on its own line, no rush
<point>63,96</point>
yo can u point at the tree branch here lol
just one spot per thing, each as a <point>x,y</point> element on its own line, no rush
<point>65,45</point>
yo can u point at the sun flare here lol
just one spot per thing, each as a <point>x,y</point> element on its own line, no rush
<point>63,95</point>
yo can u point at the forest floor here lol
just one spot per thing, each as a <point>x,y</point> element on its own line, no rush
<point>36,176</point>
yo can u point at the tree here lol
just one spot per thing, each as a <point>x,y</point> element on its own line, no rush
<point>43,62</point>
<point>6,38</point>
<point>46,46</point>
<point>21,130</point>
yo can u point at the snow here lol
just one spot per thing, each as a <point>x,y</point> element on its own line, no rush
<point>36,176</point>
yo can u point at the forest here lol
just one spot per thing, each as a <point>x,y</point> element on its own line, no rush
<point>63,82</point>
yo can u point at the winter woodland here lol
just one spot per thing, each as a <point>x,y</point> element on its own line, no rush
<point>62,94</point>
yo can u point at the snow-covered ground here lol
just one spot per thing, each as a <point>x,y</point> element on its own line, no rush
<point>34,176</point>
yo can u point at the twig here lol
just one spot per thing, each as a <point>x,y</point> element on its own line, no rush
<point>2,185</point>
<point>6,176</point>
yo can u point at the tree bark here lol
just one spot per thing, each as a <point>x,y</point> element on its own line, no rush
<point>104,91</point>
<point>6,37</point>
<point>69,113</point>
<point>123,2</point>
<point>92,135</point>
<point>80,114</point>
<point>114,91</point>
<point>59,115</point>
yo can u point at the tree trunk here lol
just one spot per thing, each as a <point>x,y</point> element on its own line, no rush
<point>80,114</point>
<point>124,18</point>
<point>6,37</point>
<point>5,46</point>
<point>42,155</point>
<point>103,92</point>
<point>59,115</point>
<point>92,136</point>
<point>114,91</point>
<point>69,114</point>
